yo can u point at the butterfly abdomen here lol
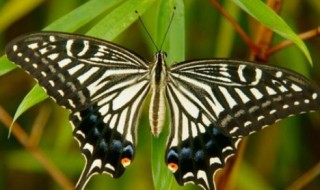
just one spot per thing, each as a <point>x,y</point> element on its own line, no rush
<point>157,105</point>
<point>156,112</point>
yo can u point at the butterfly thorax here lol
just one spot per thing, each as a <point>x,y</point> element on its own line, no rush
<point>158,72</point>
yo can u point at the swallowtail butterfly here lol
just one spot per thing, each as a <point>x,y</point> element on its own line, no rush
<point>213,103</point>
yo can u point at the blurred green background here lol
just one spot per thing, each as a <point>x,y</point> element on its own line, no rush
<point>274,158</point>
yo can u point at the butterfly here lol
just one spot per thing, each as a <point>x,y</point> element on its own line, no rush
<point>213,103</point>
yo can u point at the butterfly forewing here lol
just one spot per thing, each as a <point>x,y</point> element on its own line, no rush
<point>101,83</point>
<point>75,70</point>
<point>214,103</point>
<point>242,97</point>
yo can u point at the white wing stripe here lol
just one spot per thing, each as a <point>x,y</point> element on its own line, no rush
<point>176,119</point>
<point>194,131</point>
<point>240,73</point>
<point>256,93</point>
<point>113,121</point>
<point>98,84</point>
<point>135,108</point>
<point>126,95</point>
<point>85,48</point>
<point>215,160</point>
<point>257,77</point>
<point>228,97</point>
<point>122,121</point>
<point>242,96</point>
<point>53,56</point>
<point>64,62</point>
<point>202,175</point>
<point>270,91</point>
<point>216,106</point>
<point>69,47</point>
<point>75,69</point>
<point>85,76</point>
<point>189,107</point>
<point>104,109</point>
<point>296,88</point>
<point>31,46</point>
<point>95,164</point>
<point>185,128</point>
<point>106,99</point>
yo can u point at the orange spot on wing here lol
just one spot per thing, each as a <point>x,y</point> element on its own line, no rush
<point>173,167</point>
<point>125,162</point>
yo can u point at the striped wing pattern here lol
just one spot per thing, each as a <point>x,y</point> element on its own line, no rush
<point>102,85</point>
<point>214,103</point>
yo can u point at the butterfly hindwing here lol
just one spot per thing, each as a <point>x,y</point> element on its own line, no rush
<point>196,149</point>
<point>106,131</point>
<point>214,103</point>
<point>102,84</point>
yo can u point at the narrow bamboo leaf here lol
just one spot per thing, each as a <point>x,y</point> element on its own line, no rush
<point>5,65</point>
<point>264,14</point>
<point>175,46</point>
<point>35,96</point>
<point>119,19</point>
<point>82,15</point>
<point>225,32</point>
<point>58,8</point>
<point>176,52</point>
<point>162,178</point>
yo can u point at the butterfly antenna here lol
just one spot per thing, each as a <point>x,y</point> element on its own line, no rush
<point>170,22</point>
<point>145,28</point>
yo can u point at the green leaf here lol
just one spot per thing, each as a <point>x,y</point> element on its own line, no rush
<point>82,15</point>
<point>5,65</point>
<point>175,46</point>
<point>35,96</point>
<point>225,31</point>
<point>119,19</point>
<point>264,14</point>
<point>256,180</point>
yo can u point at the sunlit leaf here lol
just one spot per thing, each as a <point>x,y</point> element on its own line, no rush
<point>109,27</point>
<point>82,15</point>
<point>5,65</point>
<point>264,14</point>
<point>35,96</point>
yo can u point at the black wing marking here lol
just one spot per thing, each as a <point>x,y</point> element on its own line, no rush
<point>216,102</point>
<point>101,83</point>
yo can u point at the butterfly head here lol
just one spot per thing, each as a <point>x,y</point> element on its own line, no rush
<point>159,67</point>
<point>160,55</point>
